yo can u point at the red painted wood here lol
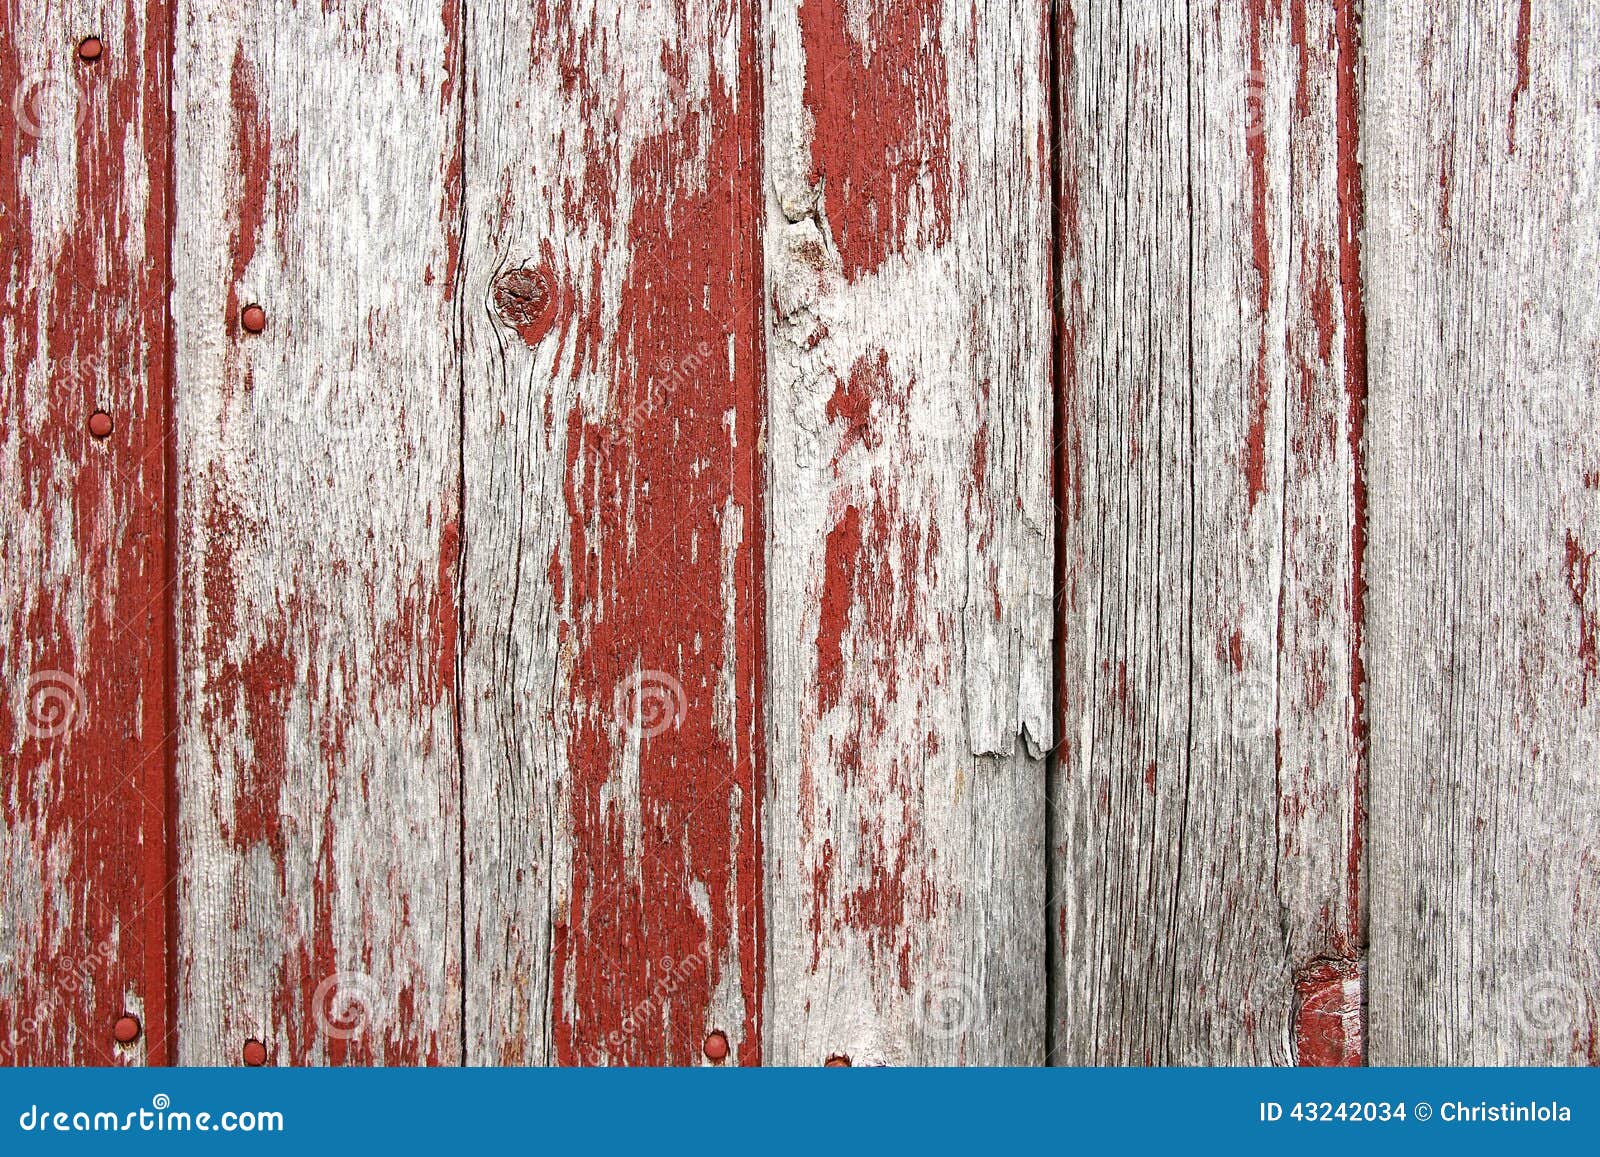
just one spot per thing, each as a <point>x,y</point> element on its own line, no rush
<point>84,590</point>
<point>881,126</point>
<point>314,247</point>
<point>1330,1016</point>
<point>613,688</point>
<point>649,486</point>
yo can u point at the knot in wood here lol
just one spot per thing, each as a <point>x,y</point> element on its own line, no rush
<point>524,302</point>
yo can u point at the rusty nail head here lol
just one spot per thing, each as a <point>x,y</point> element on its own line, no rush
<point>100,424</point>
<point>255,1053</point>
<point>716,1046</point>
<point>837,1061</point>
<point>89,48</point>
<point>254,318</point>
<point>126,1030</point>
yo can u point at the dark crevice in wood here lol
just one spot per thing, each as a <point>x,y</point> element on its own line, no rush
<point>1352,222</point>
<point>459,578</point>
<point>1193,516</point>
<point>1054,50</point>
<point>163,1044</point>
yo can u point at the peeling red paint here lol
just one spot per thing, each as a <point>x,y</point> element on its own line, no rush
<point>253,148</point>
<point>853,398</point>
<point>892,878</point>
<point>839,579</point>
<point>1446,180</point>
<point>454,161</point>
<point>1255,449</point>
<point>90,802</point>
<point>889,903</point>
<point>1329,1014</point>
<point>1524,23</point>
<point>881,144</point>
<point>1579,563</point>
<point>821,901</point>
<point>653,491</point>
<point>444,619</point>
<point>1302,46</point>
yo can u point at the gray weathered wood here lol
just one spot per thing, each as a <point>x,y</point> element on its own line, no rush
<point>317,781</point>
<point>1482,153</point>
<point>910,546</point>
<point>1205,818</point>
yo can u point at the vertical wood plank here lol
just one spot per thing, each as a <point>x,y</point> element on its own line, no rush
<point>908,258</point>
<point>317,174</point>
<point>83,568</point>
<point>612,661</point>
<point>1483,176</point>
<point>1206,831</point>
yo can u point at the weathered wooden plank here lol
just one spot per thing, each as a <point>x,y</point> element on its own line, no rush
<point>83,567</point>
<point>611,665</point>
<point>908,263</point>
<point>1482,135</point>
<point>317,174</point>
<point>1206,832</point>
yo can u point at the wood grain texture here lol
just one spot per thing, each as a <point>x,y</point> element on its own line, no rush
<point>1206,843</point>
<point>317,173</point>
<point>83,591</point>
<point>612,657</point>
<point>908,268</point>
<point>1482,137</point>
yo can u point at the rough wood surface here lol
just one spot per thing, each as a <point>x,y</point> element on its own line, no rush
<point>910,546</point>
<point>1205,792</point>
<point>317,174</point>
<point>612,659</point>
<point>1482,138</point>
<point>83,593</point>
<point>604,615</point>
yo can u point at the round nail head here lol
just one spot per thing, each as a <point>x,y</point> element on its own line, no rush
<point>255,1053</point>
<point>89,48</point>
<point>126,1030</point>
<point>100,424</point>
<point>254,318</point>
<point>837,1061</point>
<point>716,1046</point>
